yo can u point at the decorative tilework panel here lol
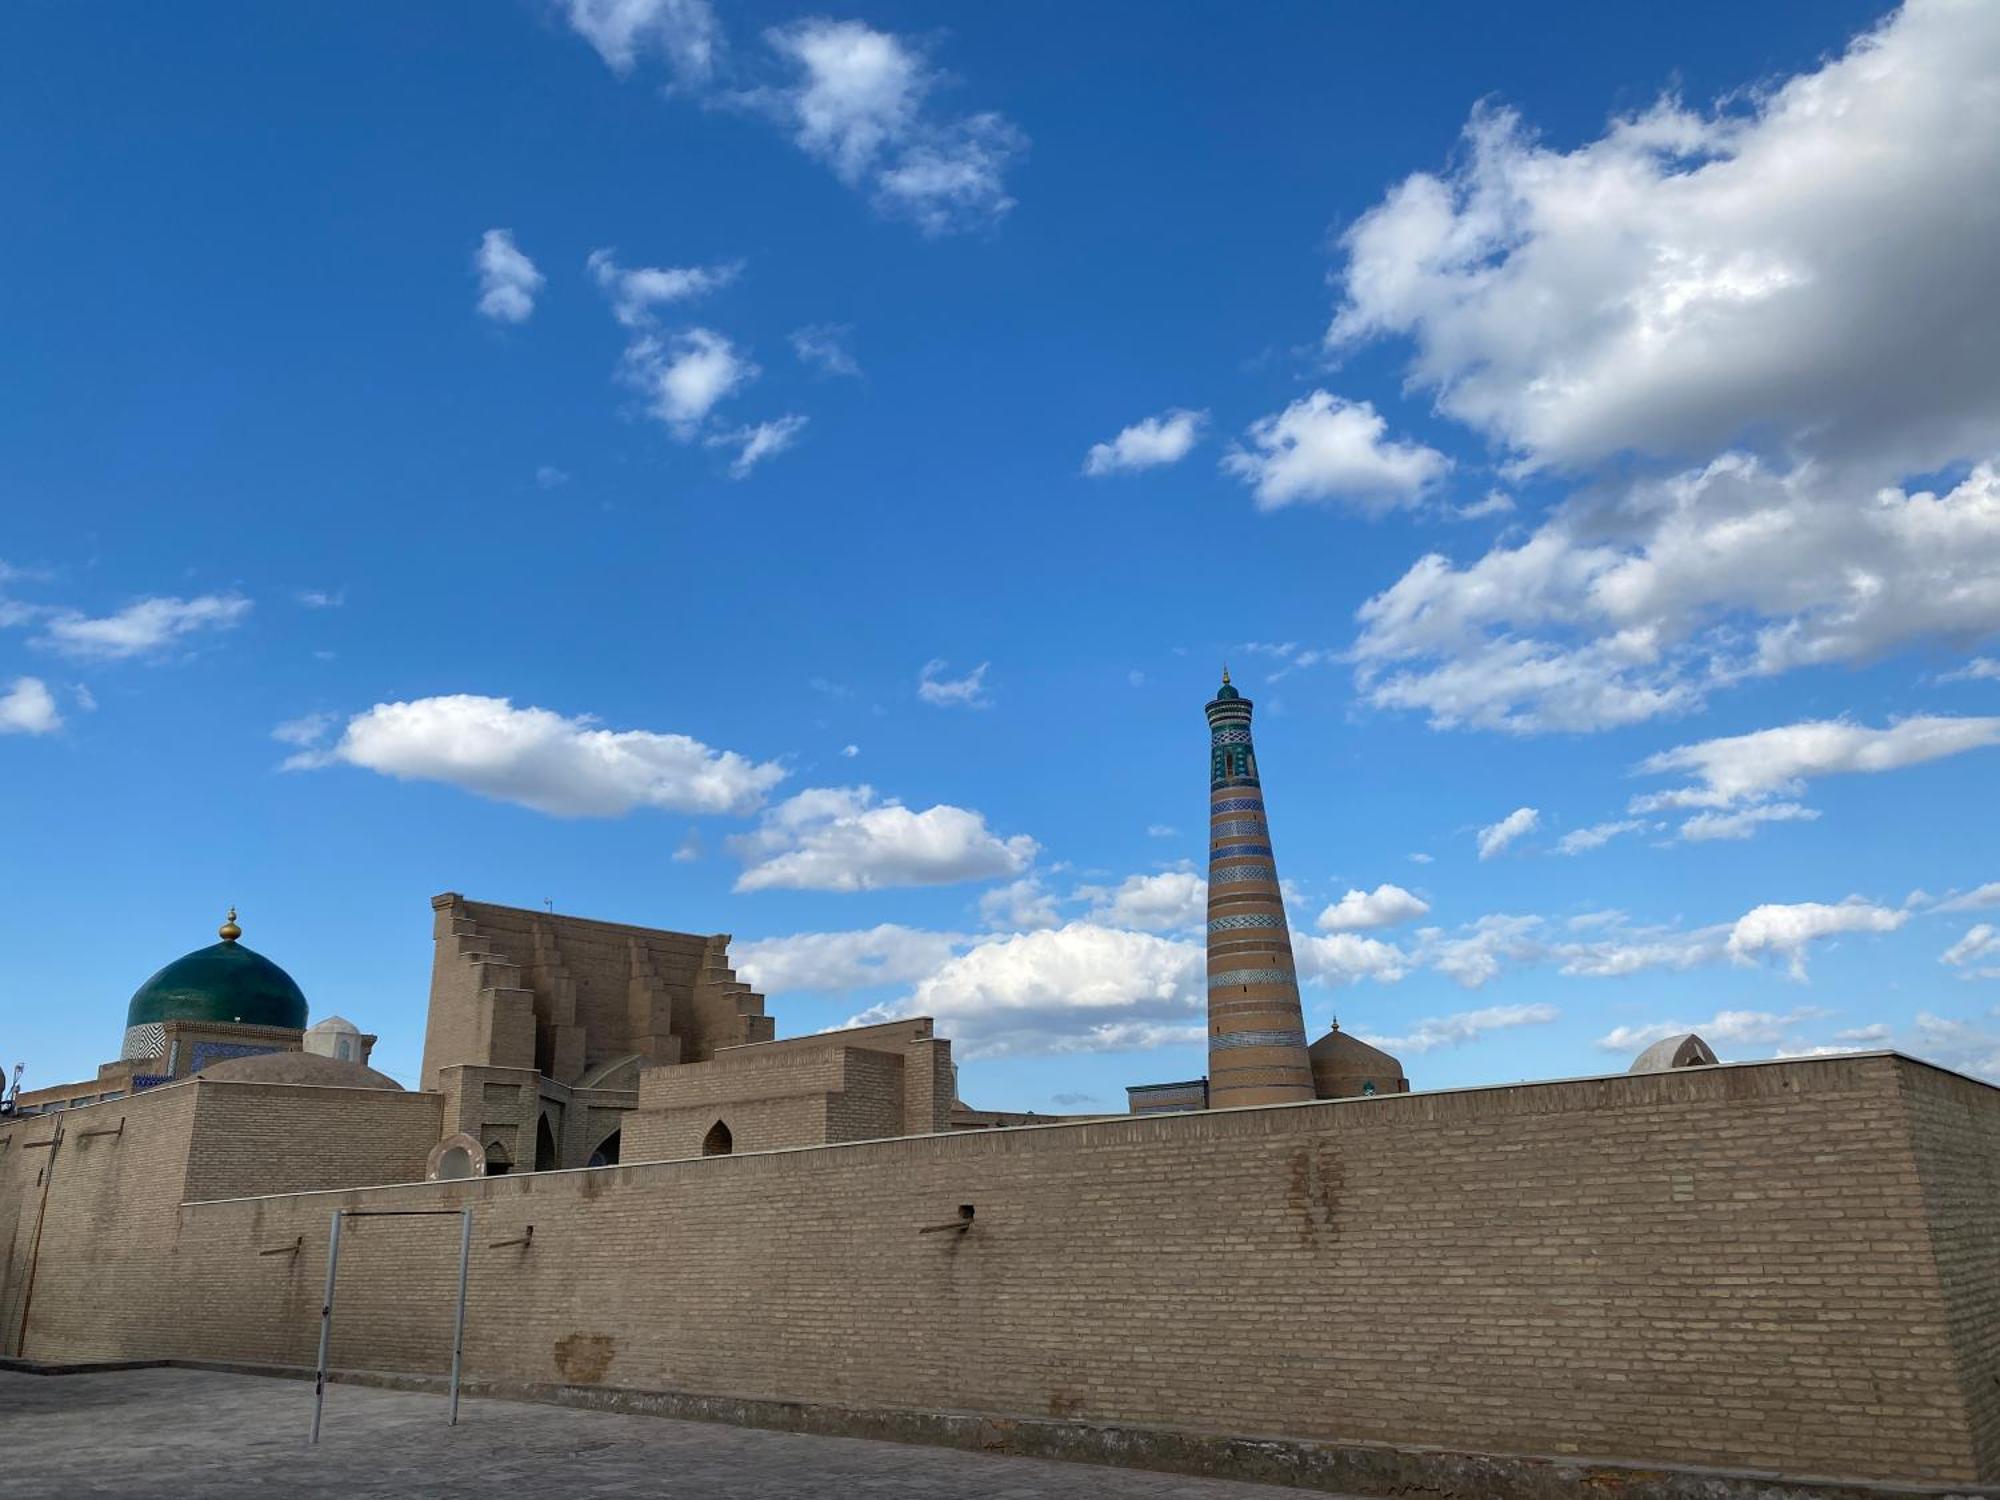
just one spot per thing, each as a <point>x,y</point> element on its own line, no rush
<point>1243,920</point>
<point>215,1052</point>
<point>1236,804</point>
<point>1229,1040</point>
<point>149,1040</point>
<point>1229,826</point>
<point>1230,851</point>
<point>1230,737</point>
<point>1250,976</point>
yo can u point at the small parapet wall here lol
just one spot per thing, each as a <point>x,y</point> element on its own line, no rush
<point>1784,1267</point>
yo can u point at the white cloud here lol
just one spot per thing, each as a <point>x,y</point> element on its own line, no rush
<point>1493,503</point>
<point>1162,831</point>
<point>1747,767</point>
<point>757,442</point>
<point>1741,824</point>
<point>1981,941</point>
<point>1495,837</point>
<point>1956,1044</point>
<point>683,378</point>
<point>1750,1028</point>
<point>850,751</point>
<point>683,32</point>
<point>828,962</point>
<point>508,280</point>
<point>824,347</point>
<point>1077,988</point>
<point>1596,836</point>
<point>1324,448</point>
<point>636,291</point>
<point>1169,901</point>
<point>549,477</point>
<point>307,729</point>
<point>1978,669</point>
<point>147,626</point>
<point>1804,259</point>
<point>1627,607</point>
<point>27,707</point>
<point>1875,1032</point>
<point>1347,958</point>
<point>940,691</point>
<point>1385,906</point>
<point>1019,906</point>
<point>546,761</point>
<point>1483,948</point>
<point>321,598</point>
<point>1787,930</point>
<point>859,102</point>
<point>845,839</point>
<point>1973,900</point>
<point>1776,294</point>
<point>1165,439</point>
<point>1465,1026</point>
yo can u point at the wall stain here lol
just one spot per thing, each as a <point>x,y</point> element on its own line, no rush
<point>582,1358</point>
<point>1314,1193</point>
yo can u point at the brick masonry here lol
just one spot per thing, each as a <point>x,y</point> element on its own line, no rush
<point>1790,1266</point>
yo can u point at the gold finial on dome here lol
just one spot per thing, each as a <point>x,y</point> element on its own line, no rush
<point>1225,674</point>
<point>229,932</point>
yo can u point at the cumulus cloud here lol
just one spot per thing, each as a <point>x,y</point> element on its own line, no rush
<point>860,100</point>
<point>1168,901</point>
<point>1596,836</point>
<point>1973,900</point>
<point>1978,669</point>
<point>141,628</point>
<point>1165,439</point>
<point>1019,906</point>
<point>757,442</point>
<point>685,377</point>
<point>1465,1026</point>
<point>1773,295</point>
<point>836,962</point>
<point>27,707</point>
<point>1980,942</point>
<point>1709,826</point>
<point>536,758</point>
<point>1495,837</point>
<point>969,691</point>
<point>1787,930</point>
<point>1346,958</point>
<point>306,730</point>
<point>1076,988</point>
<point>1750,1028</point>
<point>1385,906</point>
<point>1475,955</point>
<point>847,839</point>
<point>508,280</point>
<point>636,291</point>
<point>1324,448</point>
<point>1748,767</point>
<point>824,347</point>
<point>1801,260</point>
<point>1956,1044</point>
<point>684,33</point>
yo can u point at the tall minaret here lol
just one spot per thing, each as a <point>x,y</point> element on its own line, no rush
<point>1256,1030</point>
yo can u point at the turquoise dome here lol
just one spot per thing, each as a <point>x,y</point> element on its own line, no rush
<point>226,982</point>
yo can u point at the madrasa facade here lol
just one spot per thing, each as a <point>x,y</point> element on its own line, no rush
<point>1690,1278</point>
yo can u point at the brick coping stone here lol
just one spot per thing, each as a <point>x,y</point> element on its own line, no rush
<point>1341,1468</point>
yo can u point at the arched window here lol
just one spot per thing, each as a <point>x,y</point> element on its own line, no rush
<point>606,1154</point>
<point>498,1162</point>
<point>717,1142</point>
<point>546,1158</point>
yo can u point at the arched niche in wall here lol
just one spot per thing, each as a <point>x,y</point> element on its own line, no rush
<point>718,1141</point>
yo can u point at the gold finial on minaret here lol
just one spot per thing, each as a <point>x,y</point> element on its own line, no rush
<point>229,932</point>
<point>1225,674</point>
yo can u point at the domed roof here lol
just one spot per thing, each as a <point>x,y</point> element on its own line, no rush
<point>1684,1051</point>
<point>1339,1052</point>
<point>226,982</point>
<point>298,1067</point>
<point>335,1024</point>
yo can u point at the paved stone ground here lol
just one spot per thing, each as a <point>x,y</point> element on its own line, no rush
<point>195,1433</point>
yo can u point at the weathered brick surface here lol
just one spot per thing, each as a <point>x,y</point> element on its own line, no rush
<point>1779,1266</point>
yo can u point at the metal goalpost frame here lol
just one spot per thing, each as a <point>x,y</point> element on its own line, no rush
<point>464,1216</point>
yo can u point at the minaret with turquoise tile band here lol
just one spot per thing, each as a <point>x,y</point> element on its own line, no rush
<point>1256,1028</point>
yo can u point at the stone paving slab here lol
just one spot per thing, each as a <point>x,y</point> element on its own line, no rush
<point>197,1433</point>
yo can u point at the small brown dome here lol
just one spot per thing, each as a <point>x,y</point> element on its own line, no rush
<point>1344,1065</point>
<point>298,1067</point>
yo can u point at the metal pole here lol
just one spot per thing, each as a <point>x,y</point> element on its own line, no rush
<point>458,1327</point>
<point>325,1322</point>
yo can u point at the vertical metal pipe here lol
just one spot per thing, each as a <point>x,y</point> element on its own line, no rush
<point>458,1327</point>
<point>325,1322</point>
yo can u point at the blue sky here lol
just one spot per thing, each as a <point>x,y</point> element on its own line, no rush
<point>799,474</point>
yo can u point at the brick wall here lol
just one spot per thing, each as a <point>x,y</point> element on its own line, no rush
<point>1783,1266</point>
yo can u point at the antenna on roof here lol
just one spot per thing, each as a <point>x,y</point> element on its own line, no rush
<point>9,1103</point>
